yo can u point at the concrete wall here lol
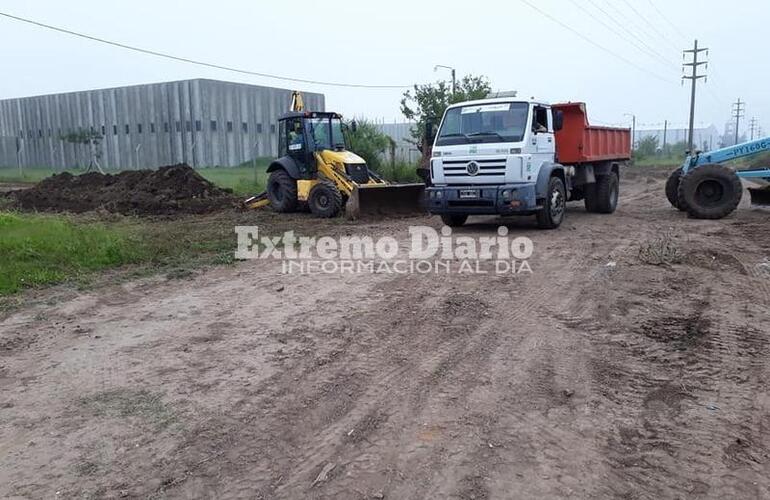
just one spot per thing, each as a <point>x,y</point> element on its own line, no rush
<point>199,122</point>
<point>401,134</point>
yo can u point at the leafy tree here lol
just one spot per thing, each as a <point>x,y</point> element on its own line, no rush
<point>427,103</point>
<point>90,138</point>
<point>647,147</point>
<point>369,143</point>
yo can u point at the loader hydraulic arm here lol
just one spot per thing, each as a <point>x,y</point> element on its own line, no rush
<point>726,154</point>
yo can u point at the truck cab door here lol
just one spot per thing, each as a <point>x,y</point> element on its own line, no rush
<point>542,124</point>
<point>541,139</point>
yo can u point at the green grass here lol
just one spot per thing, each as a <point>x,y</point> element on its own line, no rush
<point>30,174</point>
<point>244,180</point>
<point>658,161</point>
<point>42,249</point>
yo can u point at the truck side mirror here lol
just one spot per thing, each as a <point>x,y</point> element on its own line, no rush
<point>558,120</point>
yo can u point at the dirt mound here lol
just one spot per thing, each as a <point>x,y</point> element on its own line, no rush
<point>168,190</point>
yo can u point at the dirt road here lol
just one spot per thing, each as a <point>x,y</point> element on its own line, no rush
<point>596,376</point>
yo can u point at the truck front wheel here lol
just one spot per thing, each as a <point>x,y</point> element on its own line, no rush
<point>552,213</point>
<point>453,220</point>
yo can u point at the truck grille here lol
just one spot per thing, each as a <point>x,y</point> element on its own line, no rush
<point>486,167</point>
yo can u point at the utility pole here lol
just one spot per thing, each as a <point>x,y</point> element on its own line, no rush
<point>693,77</point>
<point>739,109</point>
<point>665,133</point>
<point>753,127</point>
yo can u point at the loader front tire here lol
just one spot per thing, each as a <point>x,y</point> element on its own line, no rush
<point>325,200</point>
<point>710,191</point>
<point>672,189</point>
<point>282,192</point>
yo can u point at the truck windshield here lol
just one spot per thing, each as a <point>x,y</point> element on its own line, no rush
<point>502,122</point>
<point>326,133</point>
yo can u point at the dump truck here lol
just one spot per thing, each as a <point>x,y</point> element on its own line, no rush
<point>505,156</point>
<point>316,170</point>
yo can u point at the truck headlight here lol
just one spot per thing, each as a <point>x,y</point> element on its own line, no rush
<point>506,194</point>
<point>438,195</point>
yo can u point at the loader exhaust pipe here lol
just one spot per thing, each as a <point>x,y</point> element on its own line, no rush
<point>386,200</point>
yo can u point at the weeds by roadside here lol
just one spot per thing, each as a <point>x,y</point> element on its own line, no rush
<point>661,251</point>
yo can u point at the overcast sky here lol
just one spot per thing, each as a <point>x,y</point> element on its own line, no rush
<point>398,43</point>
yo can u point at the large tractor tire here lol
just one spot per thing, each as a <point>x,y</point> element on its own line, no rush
<point>282,192</point>
<point>325,200</point>
<point>453,220</point>
<point>672,189</point>
<point>552,213</point>
<point>710,191</point>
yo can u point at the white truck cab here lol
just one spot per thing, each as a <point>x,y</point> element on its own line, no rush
<point>498,156</point>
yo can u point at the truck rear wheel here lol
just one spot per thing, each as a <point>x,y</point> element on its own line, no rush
<point>672,189</point>
<point>552,213</point>
<point>710,191</point>
<point>607,192</point>
<point>282,191</point>
<point>453,220</point>
<point>325,200</point>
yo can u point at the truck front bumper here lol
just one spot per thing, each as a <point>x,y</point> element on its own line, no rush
<point>508,199</point>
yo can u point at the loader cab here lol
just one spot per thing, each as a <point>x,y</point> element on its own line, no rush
<point>309,132</point>
<point>302,134</point>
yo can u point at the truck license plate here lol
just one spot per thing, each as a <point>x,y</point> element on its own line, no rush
<point>469,193</point>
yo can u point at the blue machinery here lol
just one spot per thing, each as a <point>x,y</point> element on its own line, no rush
<point>707,189</point>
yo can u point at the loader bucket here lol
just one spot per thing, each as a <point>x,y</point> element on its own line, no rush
<point>760,197</point>
<point>382,200</point>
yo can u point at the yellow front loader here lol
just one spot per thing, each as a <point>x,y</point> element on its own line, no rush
<point>316,170</point>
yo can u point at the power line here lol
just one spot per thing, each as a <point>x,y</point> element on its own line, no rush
<point>647,49</point>
<point>196,62</point>
<point>595,44</point>
<point>647,22</point>
<point>628,22</point>
<point>663,16</point>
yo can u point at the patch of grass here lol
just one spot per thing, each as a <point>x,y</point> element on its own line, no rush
<point>661,251</point>
<point>247,179</point>
<point>42,249</point>
<point>402,172</point>
<point>31,174</point>
<point>669,162</point>
<point>130,403</point>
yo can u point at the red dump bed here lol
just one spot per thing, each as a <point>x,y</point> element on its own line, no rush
<point>579,142</point>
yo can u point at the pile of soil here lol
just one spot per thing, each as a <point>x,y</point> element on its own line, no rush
<point>168,190</point>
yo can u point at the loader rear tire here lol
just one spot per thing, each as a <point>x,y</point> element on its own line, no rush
<point>453,220</point>
<point>710,191</point>
<point>672,189</point>
<point>282,192</point>
<point>325,200</point>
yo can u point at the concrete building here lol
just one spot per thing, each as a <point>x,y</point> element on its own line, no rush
<point>199,122</point>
